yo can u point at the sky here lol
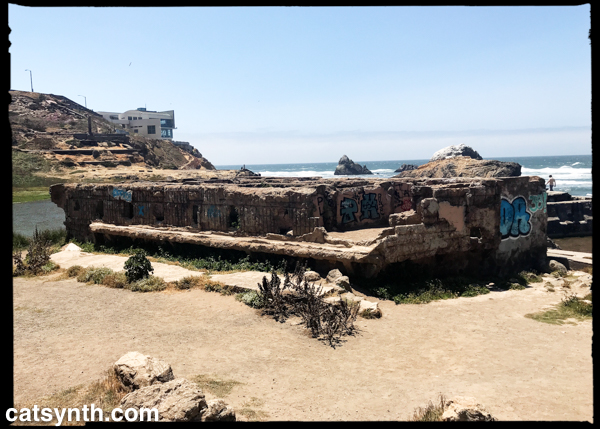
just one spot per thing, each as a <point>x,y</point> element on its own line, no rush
<point>272,85</point>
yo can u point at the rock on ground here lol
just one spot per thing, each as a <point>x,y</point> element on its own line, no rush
<point>177,400</point>
<point>136,370</point>
<point>463,409</point>
<point>454,151</point>
<point>554,265</point>
<point>218,410</point>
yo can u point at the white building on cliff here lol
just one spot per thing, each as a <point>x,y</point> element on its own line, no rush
<point>146,123</point>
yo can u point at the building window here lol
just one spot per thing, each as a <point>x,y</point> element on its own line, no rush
<point>129,118</point>
<point>166,123</point>
<point>135,131</point>
<point>151,129</point>
<point>166,134</point>
<point>114,117</point>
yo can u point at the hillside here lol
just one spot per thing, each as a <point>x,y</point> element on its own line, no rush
<point>50,138</point>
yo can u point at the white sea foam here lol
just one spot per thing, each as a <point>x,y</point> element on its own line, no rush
<point>564,173</point>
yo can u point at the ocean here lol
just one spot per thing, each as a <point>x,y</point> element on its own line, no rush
<point>573,173</point>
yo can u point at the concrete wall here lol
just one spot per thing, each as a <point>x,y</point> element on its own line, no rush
<point>523,222</point>
<point>470,224</point>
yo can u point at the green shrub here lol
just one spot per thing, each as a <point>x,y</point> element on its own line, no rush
<point>49,267</point>
<point>116,280</point>
<point>93,275</point>
<point>74,270</point>
<point>147,284</point>
<point>188,282</point>
<point>251,298</point>
<point>138,267</point>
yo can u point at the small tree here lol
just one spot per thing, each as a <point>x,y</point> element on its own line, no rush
<point>138,266</point>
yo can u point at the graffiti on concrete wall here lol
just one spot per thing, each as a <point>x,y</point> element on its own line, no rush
<point>348,209</point>
<point>538,202</point>
<point>213,212</point>
<point>402,198</point>
<point>140,210</point>
<point>514,218</point>
<point>121,194</point>
<point>369,207</point>
<point>361,206</point>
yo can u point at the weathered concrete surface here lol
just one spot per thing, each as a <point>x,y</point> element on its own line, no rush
<point>569,216</point>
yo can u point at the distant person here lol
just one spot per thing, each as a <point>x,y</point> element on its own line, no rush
<point>551,182</point>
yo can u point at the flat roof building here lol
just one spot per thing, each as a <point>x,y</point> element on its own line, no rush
<point>146,123</point>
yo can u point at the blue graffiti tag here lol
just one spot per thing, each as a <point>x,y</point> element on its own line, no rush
<point>368,207</point>
<point>140,210</point>
<point>347,210</point>
<point>538,202</point>
<point>514,218</point>
<point>121,194</point>
<point>213,212</point>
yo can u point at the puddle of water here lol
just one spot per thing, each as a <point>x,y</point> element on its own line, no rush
<point>43,214</point>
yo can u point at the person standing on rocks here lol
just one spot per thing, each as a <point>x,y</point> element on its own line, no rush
<point>551,182</point>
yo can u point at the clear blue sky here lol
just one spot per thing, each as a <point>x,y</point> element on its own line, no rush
<point>295,84</point>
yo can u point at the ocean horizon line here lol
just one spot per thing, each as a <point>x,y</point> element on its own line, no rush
<point>426,160</point>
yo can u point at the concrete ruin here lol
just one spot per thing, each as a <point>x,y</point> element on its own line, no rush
<point>360,226</point>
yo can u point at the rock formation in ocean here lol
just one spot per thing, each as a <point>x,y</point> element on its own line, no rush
<point>347,167</point>
<point>406,167</point>
<point>454,151</point>
<point>463,166</point>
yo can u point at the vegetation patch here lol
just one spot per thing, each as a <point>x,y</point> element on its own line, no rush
<point>216,386</point>
<point>37,260</point>
<point>570,307</point>
<point>431,412</point>
<point>193,257</point>
<point>105,394</point>
<point>295,296</point>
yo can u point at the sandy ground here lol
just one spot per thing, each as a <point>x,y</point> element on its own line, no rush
<point>67,333</point>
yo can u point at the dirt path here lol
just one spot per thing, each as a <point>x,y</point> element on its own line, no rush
<point>67,333</point>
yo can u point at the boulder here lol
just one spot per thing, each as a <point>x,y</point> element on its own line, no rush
<point>343,282</point>
<point>463,167</point>
<point>348,167</point>
<point>406,167</point>
<point>218,411</point>
<point>333,275</point>
<point>463,409</point>
<point>177,400</point>
<point>136,370</point>
<point>312,276</point>
<point>454,151</point>
<point>557,266</point>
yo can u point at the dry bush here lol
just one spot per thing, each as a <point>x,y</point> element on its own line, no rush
<point>431,412</point>
<point>330,321</point>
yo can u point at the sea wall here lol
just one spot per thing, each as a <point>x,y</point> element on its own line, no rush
<point>450,224</point>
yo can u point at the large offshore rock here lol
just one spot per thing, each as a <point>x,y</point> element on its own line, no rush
<point>177,400</point>
<point>406,167</point>
<point>348,167</point>
<point>136,370</point>
<point>454,151</point>
<point>464,167</point>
